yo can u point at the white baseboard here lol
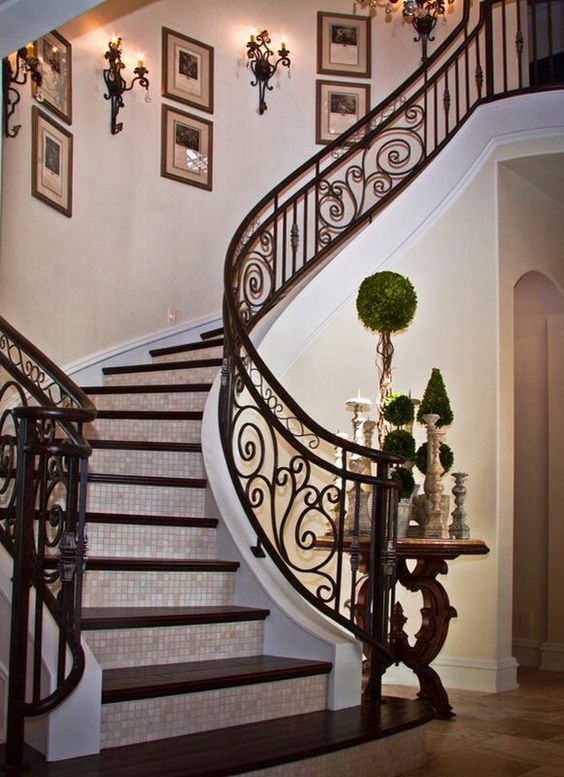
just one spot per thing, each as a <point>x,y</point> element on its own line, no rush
<point>552,657</point>
<point>88,371</point>
<point>527,652</point>
<point>467,674</point>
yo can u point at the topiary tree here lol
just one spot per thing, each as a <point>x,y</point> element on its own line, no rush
<point>446,457</point>
<point>406,480</point>
<point>385,303</point>
<point>398,410</point>
<point>400,443</point>
<point>435,400</point>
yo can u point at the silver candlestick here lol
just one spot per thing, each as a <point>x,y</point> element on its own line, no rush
<point>459,530</point>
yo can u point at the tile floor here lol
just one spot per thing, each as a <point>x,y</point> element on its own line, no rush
<point>514,733</point>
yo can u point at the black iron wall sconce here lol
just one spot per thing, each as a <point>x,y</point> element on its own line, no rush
<point>259,54</point>
<point>25,63</point>
<point>423,17</point>
<point>116,83</point>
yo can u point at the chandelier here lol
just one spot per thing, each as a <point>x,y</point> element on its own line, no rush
<point>422,14</point>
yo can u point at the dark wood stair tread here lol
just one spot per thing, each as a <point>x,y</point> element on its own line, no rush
<point>144,682</point>
<point>240,749</point>
<point>147,480</point>
<point>209,335</point>
<point>131,564</point>
<point>134,617</point>
<point>152,415</point>
<point>147,445</point>
<point>162,366</point>
<point>211,343</point>
<point>150,520</point>
<point>148,388</point>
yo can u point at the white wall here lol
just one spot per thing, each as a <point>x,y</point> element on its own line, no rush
<point>139,244</point>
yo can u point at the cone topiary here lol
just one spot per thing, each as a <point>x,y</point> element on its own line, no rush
<point>398,410</point>
<point>435,400</point>
<point>446,457</point>
<point>400,443</point>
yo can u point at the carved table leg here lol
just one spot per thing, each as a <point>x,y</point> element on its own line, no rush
<point>436,614</point>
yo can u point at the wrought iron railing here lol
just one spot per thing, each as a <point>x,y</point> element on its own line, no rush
<point>43,468</point>
<point>311,496</point>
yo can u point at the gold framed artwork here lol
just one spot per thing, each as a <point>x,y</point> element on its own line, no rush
<point>339,105</point>
<point>187,70</point>
<point>55,55</point>
<point>51,162</point>
<point>186,148</point>
<point>343,45</point>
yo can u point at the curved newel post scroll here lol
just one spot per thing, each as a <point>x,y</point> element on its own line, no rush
<point>431,560</point>
<point>43,477</point>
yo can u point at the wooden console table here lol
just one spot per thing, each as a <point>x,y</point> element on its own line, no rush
<point>431,558</point>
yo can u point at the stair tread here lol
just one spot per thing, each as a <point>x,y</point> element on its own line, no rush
<point>131,564</point>
<point>147,445</point>
<point>153,415</point>
<point>148,388</point>
<point>148,520</point>
<point>162,366</point>
<point>128,617</point>
<point>247,747</point>
<point>146,480</point>
<point>141,682</point>
<point>212,333</point>
<point>211,343</point>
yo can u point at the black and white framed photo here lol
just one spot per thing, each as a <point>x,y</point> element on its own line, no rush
<point>55,55</point>
<point>343,44</point>
<point>186,148</point>
<point>339,105</point>
<point>187,70</point>
<point>51,162</point>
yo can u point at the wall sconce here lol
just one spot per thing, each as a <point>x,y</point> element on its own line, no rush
<point>116,83</point>
<point>26,63</point>
<point>423,17</point>
<point>259,55</point>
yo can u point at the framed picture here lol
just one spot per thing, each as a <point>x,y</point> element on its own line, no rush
<point>186,148</point>
<point>339,105</point>
<point>55,92</point>
<point>187,70</point>
<point>51,162</point>
<point>343,44</point>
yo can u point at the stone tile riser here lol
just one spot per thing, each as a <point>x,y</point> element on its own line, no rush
<point>215,352</point>
<point>157,463</point>
<point>176,400</point>
<point>166,645</point>
<point>147,430</point>
<point>146,500</point>
<point>104,588</point>
<point>139,541</point>
<point>161,377</point>
<point>149,719</point>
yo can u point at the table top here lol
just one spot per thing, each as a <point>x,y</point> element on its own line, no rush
<point>421,548</point>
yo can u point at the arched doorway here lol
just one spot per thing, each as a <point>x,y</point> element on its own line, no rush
<point>538,591</point>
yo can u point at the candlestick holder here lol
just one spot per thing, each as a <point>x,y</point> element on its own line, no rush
<point>259,55</point>
<point>25,64</point>
<point>459,529</point>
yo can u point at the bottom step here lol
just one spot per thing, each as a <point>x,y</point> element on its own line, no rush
<point>344,742</point>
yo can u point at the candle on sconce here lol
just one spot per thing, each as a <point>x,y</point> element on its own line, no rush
<point>29,48</point>
<point>140,60</point>
<point>114,43</point>
<point>283,44</point>
<point>253,36</point>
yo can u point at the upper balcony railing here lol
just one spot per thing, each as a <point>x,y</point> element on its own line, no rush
<point>309,494</point>
<point>43,468</point>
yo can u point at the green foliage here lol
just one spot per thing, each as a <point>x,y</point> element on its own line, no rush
<point>386,302</point>
<point>446,457</point>
<point>407,481</point>
<point>398,410</point>
<point>400,443</point>
<point>435,400</point>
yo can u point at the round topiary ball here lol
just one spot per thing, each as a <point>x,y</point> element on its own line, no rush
<point>406,480</point>
<point>400,443</point>
<point>446,457</point>
<point>386,302</point>
<point>398,410</point>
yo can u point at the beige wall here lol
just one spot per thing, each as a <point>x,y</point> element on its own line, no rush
<point>139,244</point>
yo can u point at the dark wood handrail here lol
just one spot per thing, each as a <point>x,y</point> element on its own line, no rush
<point>43,496</point>
<point>270,443</point>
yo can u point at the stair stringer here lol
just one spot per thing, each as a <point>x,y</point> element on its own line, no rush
<point>73,728</point>
<point>294,628</point>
